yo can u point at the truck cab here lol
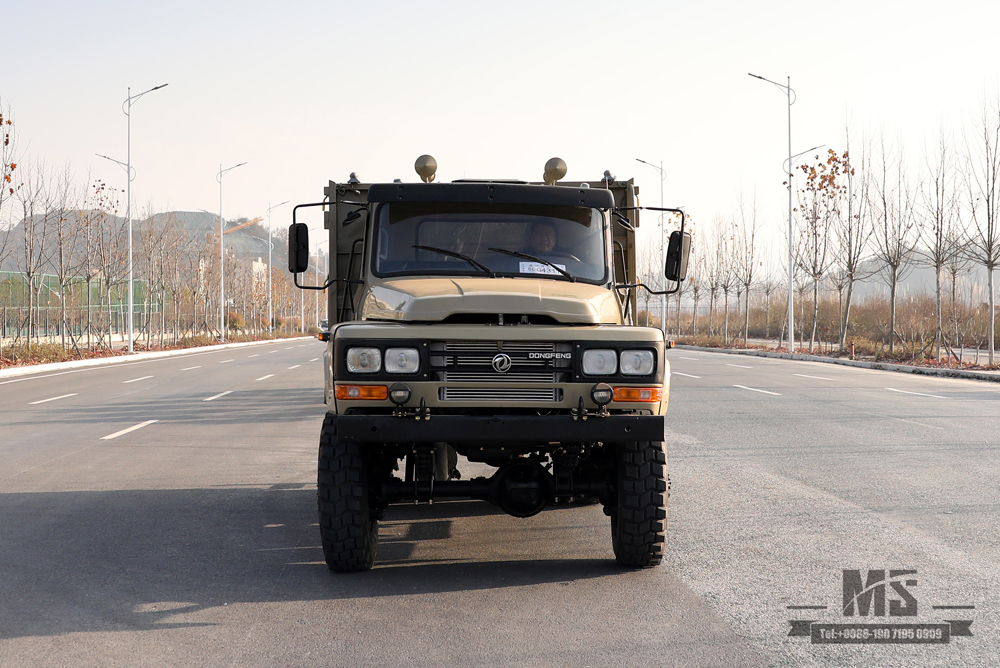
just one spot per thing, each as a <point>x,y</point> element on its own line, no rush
<point>490,321</point>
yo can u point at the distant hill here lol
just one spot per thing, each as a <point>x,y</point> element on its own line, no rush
<point>198,226</point>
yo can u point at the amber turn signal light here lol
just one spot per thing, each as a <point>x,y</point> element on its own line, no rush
<point>642,394</point>
<point>366,392</point>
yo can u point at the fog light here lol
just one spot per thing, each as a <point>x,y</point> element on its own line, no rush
<point>601,394</point>
<point>399,394</point>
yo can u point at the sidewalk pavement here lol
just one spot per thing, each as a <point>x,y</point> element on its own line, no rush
<point>992,376</point>
<point>13,372</point>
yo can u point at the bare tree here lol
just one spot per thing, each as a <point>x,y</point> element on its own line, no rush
<point>852,229</point>
<point>983,176</point>
<point>34,194</point>
<point>941,225</point>
<point>819,207</point>
<point>896,232</point>
<point>745,260</point>
<point>66,221</point>
<point>8,163</point>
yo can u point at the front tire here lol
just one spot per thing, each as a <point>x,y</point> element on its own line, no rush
<point>347,528</point>
<point>639,516</point>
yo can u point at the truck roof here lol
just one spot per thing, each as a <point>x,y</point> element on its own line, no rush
<point>502,193</point>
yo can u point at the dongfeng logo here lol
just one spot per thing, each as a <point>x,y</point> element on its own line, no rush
<point>501,363</point>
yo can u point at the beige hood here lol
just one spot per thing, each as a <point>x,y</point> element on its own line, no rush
<point>434,299</point>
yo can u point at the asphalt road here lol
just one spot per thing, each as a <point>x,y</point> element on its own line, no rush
<point>163,513</point>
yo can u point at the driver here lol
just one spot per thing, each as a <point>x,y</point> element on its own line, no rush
<point>542,238</point>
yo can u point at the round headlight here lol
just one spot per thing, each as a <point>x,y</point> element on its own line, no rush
<point>600,362</point>
<point>364,360</point>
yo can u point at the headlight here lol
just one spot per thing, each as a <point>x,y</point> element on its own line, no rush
<point>637,362</point>
<point>402,360</point>
<point>600,362</point>
<point>364,360</point>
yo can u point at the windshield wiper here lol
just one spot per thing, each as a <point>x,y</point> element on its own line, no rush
<point>478,265</point>
<point>525,256</point>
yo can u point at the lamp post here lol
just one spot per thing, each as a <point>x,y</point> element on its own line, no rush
<point>222,255</point>
<point>270,312</point>
<point>663,298</point>
<point>791,262</point>
<point>127,110</point>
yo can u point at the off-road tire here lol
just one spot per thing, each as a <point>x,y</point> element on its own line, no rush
<point>347,528</point>
<point>639,517</point>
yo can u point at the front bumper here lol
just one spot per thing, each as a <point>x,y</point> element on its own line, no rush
<point>499,429</point>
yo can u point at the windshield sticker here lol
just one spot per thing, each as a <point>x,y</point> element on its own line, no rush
<point>539,268</point>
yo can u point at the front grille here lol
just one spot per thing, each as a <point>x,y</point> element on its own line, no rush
<point>491,376</point>
<point>493,346</point>
<point>548,394</point>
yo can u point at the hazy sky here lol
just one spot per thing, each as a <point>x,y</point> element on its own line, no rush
<point>311,91</point>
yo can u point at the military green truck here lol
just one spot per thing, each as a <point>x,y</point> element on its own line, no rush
<point>492,320</point>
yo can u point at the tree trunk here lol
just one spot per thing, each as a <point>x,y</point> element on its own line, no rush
<point>846,320</point>
<point>725,328</point>
<point>812,335</point>
<point>746,320</point>
<point>937,308</point>
<point>992,313</point>
<point>892,310</point>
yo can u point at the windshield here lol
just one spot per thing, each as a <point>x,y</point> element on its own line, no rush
<point>446,238</point>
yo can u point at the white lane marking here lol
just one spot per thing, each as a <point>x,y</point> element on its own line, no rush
<point>135,380</point>
<point>125,431</point>
<point>754,389</point>
<point>224,361</point>
<point>272,352</point>
<point>695,359</point>
<point>45,401</point>
<point>294,367</point>
<point>919,424</point>
<point>257,355</point>
<point>919,394</point>
<point>315,359</point>
<point>266,377</point>
<point>221,394</point>
<point>289,347</point>
<point>302,346</point>
<point>686,375</point>
<point>191,367</point>
<point>802,375</point>
<point>740,366</point>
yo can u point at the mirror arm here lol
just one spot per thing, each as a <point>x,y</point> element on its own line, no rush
<point>326,285</point>
<point>677,288</point>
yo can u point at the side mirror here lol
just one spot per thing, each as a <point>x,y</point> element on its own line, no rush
<point>298,248</point>
<point>678,251</point>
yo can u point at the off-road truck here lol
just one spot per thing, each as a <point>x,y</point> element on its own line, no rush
<point>491,320</point>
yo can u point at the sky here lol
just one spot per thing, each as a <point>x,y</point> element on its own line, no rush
<point>307,92</point>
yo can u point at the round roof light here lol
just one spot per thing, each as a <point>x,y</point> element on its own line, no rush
<point>426,167</point>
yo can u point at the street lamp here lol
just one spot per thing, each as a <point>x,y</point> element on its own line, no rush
<point>791,262</point>
<point>127,110</point>
<point>663,298</point>
<point>222,255</point>
<point>270,312</point>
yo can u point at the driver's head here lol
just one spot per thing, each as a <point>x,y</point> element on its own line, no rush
<point>543,236</point>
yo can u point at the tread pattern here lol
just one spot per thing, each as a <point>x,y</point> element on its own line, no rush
<point>348,531</point>
<point>639,521</point>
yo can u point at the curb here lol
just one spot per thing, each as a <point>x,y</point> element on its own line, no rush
<point>880,366</point>
<point>16,371</point>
